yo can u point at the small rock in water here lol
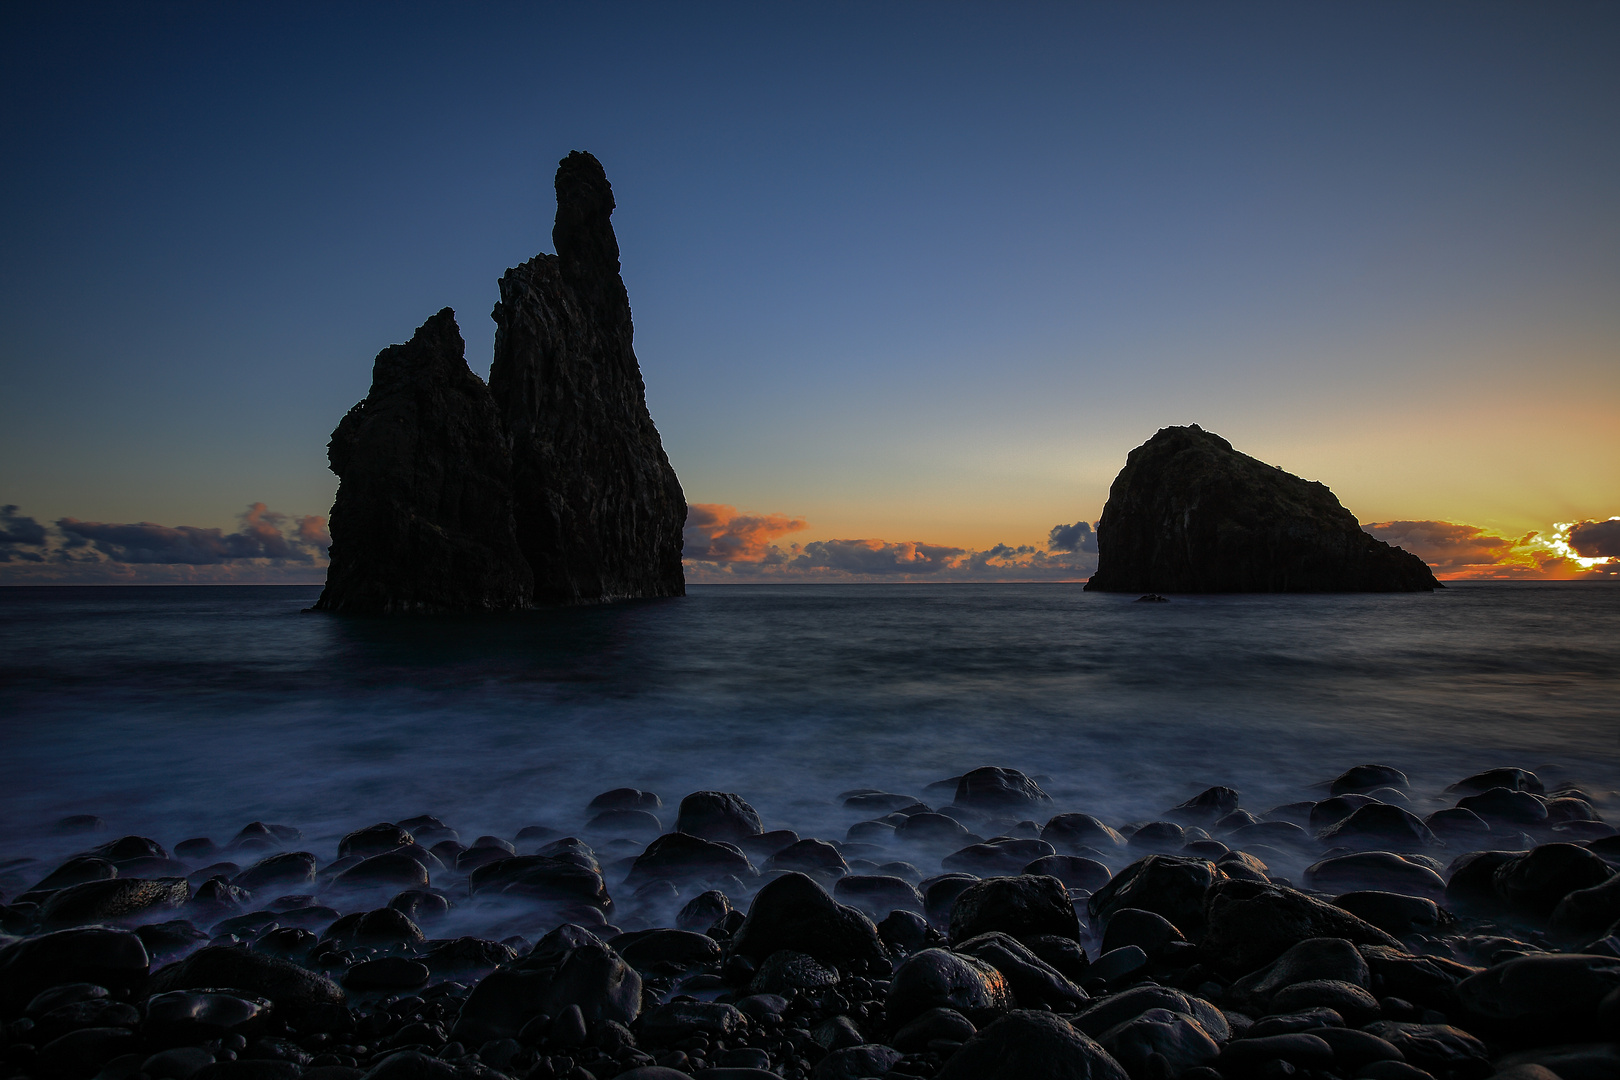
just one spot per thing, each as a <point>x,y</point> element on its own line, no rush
<point>717,815</point>
<point>1364,778</point>
<point>996,789</point>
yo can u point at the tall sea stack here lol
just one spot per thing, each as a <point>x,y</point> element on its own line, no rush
<point>1189,514</point>
<point>423,516</point>
<point>599,510</point>
<point>548,486</point>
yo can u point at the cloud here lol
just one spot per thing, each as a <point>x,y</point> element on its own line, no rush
<point>718,533</point>
<point>18,533</point>
<point>1459,552</point>
<point>870,557</point>
<point>724,545</point>
<point>1445,545</point>
<point>261,537</point>
<point>267,546</point>
<point>1595,539</point>
<point>1076,537</point>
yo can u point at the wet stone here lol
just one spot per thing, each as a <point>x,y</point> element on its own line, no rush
<point>932,1024</point>
<point>991,788</point>
<point>878,894</point>
<point>1512,779</point>
<point>1347,999</point>
<point>1439,1049</point>
<point>679,856</point>
<point>794,912</point>
<point>937,978</point>
<point>1384,871</point>
<point>1393,913</point>
<point>390,870</point>
<point>388,973</point>
<point>1251,924</point>
<point>288,870</point>
<point>115,959</point>
<point>1167,885</point>
<point>1382,827</point>
<point>1031,1046</point>
<point>113,900</point>
<point>814,857</point>
<point>1504,806</point>
<point>1031,980</point>
<point>1175,1037</point>
<point>1069,833</point>
<point>625,799</point>
<point>785,971</point>
<point>855,1062</point>
<point>907,931</point>
<point>1368,777</point>
<point>1017,906</point>
<point>1076,872</point>
<point>1535,882</point>
<point>717,815</point>
<point>292,988</point>
<point>1005,856</point>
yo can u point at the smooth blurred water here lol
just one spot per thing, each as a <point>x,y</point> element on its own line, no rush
<point>185,711</point>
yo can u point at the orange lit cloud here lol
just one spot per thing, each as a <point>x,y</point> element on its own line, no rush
<point>724,545</point>
<point>1459,552</point>
<point>718,533</point>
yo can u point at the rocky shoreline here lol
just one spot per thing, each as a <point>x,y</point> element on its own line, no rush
<point>970,931</point>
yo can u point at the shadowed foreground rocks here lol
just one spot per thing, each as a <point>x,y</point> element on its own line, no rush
<point>539,957</point>
<point>548,486</point>
<point>1189,514</point>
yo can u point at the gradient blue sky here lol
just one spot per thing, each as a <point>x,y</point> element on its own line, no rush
<point>908,271</point>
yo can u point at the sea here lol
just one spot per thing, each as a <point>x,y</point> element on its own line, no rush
<point>175,712</point>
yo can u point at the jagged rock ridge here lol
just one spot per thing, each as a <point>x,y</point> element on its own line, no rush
<point>599,509</point>
<point>550,485</point>
<point>1190,514</point>
<point>423,516</point>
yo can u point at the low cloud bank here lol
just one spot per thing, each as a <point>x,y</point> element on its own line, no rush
<point>1581,549</point>
<point>724,545</point>
<point>267,548</point>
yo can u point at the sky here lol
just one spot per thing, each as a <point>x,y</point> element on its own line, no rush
<point>909,280</point>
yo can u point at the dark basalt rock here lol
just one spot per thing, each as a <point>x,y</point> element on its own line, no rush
<point>991,788</point>
<point>682,857</point>
<point>423,516</point>
<point>938,979</point>
<point>1190,514</point>
<point>793,912</point>
<point>1033,982</point>
<point>113,900</point>
<point>294,989</point>
<point>718,815</point>
<point>599,510</point>
<point>1031,1046</point>
<point>1174,1038</point>
<point>1017,906</point>
<point>1167,885</point>
<point>114,959</point>
<point>1250,924</point>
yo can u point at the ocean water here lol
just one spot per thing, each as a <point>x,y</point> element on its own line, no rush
<point>176,712</point>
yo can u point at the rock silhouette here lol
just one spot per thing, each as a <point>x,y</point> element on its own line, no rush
<point>1190,514</point>
<point>423,516</point>
<point>548,486</point>
<point>599,510</point>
